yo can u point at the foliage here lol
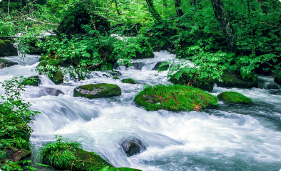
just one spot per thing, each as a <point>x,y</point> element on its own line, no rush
<point>64,154</point>
<point>129,80</point>
<point>234,98</point>
<point>175,98</point>
<point>15,116</point>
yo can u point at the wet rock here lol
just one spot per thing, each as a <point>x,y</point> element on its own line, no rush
<point>51,92</point>
<point>175,98</point>
<point>57,77</point>
<point>92,91</point>
<point>115,73</point>
<point>116,78</point>
<point>231,97</point>
<point>5,63</point>
<point>7,48</point>
<point>164,68</point>
<point>277,78</point>
<point>129,81</point>
<point>133,147</point>
<point>32,81</point>
<point>138,65</point>
<point>16,155</point>
<point>234,80</point>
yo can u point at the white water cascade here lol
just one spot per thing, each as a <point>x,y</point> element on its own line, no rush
<point>231,137</point>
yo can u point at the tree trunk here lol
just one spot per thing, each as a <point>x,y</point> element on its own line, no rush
<point>116,5</point>
<point>178,8</point>
<point>152,10</point>
<point>225,24</point>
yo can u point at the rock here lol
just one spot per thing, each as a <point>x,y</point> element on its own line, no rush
<point>133,147</point>
<point>234,98</point>
<point>50,91</point>
<point>163,68</point>
<point>32,81</point>
<point>194,80</point>
<point>138,65</point>
<point>69,156</point>
<point>175,98</point>
<point>92,91</point>
<point>57,76</point>
<point>277,78</point>
<point>233,80</point>
<point>5,63</point>
<point>116,78</point>
<point>16,155</point>
<point>7,48</point>
<point>129,81</point>
<point>115,73</point>
<point>108,168</point>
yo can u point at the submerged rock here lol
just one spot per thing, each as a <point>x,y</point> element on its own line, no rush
<point>129,81</point>
<point>92,91</point>
<point>7,48</point>
<point>234,98</point>
<point>133,147</point>
<point>194,80</point>
<point>233,80</point>
<point>175,98</point>
<point>5,63</point>
<point>44,91</point>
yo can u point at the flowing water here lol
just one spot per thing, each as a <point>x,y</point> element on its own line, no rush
<point>231,137</point>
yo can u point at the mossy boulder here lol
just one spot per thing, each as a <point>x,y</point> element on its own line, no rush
<point>7,48</point>
<point>70,156</point>
<point>5,63</point>
<point>115,78</point>
<point>92,91</point>
<point>14,154</point>
<point>277,78</point>
<point>193,80</point>
<point>175,98</point>
<point>234,80</point>
<point>129,80</point>
<point>32,81</point>
<point>55,74</point>
<point>234,98</point>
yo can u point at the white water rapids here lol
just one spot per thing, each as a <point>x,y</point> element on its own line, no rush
<point>232,137</point>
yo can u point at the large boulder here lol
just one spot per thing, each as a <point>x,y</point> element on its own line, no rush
<point>193,80</point>
<point>7,48</point>
<point>92,91</point>
<point>55,74</point>
<point>69,156</point>
<point>132,147</point>
<point>5,63</point>
<point>234,80</point>
<point>175,98</point>
<point>231,97</point>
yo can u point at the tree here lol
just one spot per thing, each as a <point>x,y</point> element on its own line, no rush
<point>152,10</point>
<point>178,8</point>
<point>225,24</point>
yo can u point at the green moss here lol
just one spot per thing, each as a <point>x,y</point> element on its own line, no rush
<point>277,78</point>
<point>7,48</point>
<point>5,63</point>
<point>175,98</point>
<point>234,98</point>
<point>69,156</point>
<point>129,80</point>
<point>186,79</point>
<point>116,78</point>
<point>233,80</point>
<point>57,77</point>
<point>97,90</point>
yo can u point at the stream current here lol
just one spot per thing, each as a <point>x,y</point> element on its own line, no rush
<point>231,137</point>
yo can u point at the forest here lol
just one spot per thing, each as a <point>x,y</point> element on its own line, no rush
<point>217,52</point>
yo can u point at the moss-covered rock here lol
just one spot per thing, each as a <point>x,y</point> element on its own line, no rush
<point>115,78</point>
<point>5,63</point>
<point>234,98</point>
<point>70,156</point>
<point>55,74</point>
<point>194,80</point>
<point>57,77</point>
<point>277,78</point>
<point>32,81</point>
<point>234,80</point>
<point>129,80</point>
<point>92,91</point>
<point>175,98</point>
<point>7,48</point>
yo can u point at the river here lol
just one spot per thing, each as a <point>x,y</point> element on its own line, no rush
<point>231,137</point>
